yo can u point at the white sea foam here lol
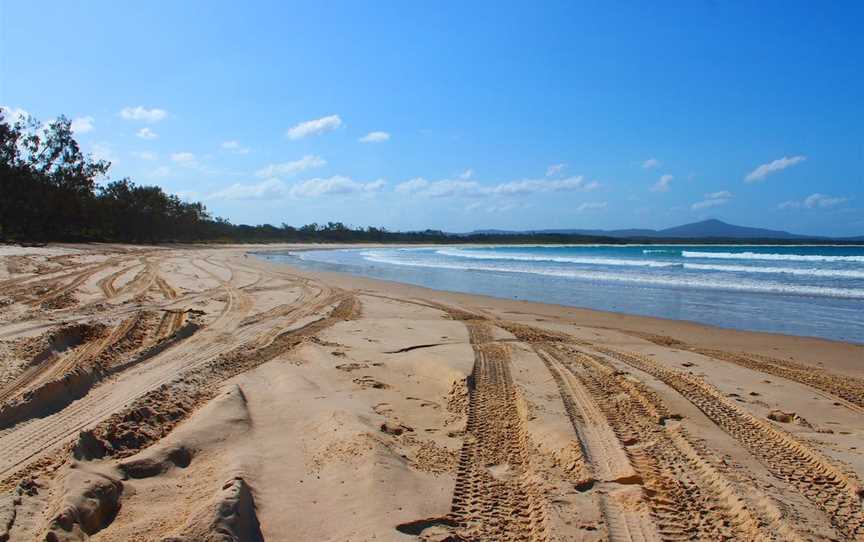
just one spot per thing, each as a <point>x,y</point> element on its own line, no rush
<point>659,251</point>
<point>705,282</point>
<point>770,256</point>
<point>834,273</point>
<point>457,253</point>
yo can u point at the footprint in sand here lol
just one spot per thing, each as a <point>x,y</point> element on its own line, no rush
<point>367,382</point>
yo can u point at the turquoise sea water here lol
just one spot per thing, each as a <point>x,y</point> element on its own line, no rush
<point>799,290</point>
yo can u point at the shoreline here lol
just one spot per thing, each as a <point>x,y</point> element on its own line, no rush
<point>637,319</point>
<point>708,335</point>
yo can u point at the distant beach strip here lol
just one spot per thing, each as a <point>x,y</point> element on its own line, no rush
<point>799,290</point>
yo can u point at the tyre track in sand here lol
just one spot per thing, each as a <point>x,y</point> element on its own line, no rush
<point>24,443</point>
<point>494,497</point>
<point>622,500</point>
<point>847,390</point>
<point>836,493</point>
<point>689,494</point>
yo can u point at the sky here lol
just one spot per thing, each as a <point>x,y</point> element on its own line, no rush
<point>462,115</point>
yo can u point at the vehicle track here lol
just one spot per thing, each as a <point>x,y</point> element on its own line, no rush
<point>836,493</point>
<point>26,442</point>
<point>494,497</point>
<point>847,389</point>
<point>608,460</point>
<point>689,494</point>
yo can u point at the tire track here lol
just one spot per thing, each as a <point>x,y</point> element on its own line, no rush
<point>26,442</point>
<point>690,496</point>
<point>494,497</point>
<point>834,492</point>
<point>848,390</point>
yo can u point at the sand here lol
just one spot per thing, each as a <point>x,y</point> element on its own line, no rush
<point>200,393</point>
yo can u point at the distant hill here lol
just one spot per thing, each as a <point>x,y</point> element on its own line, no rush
<point>697,230</point>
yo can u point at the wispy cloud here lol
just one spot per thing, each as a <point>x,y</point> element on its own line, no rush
<point>82,125</point>
<point>275,189</point>
<point>146,133</point>
<point>780,164</point>
<point>314,127</point>
<point>591,206</point>
<point>663,184</point>
<point>814,201</point>
<point>495,208</point>
<point>334,186</point>
<point>234,147</point>
<point>467,174</point>
<point>143,114</point>
<point>466,188</point>
<point>145,155</point>
<point>375,137</point>
<point>712,199</point>
<point>266,189</point>
<point>291,168</point>
<point>555,169</point>
<point>183,158</point>
<point>651,163</point>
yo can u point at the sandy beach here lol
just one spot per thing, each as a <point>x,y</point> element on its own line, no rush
<point>201,393</point>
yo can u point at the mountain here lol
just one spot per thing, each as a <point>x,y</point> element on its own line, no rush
<point>697,230</point>
<point>718,228</point>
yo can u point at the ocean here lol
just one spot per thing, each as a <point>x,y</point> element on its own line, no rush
<point>800,290</point>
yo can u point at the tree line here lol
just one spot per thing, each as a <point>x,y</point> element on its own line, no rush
<point>50,191</point>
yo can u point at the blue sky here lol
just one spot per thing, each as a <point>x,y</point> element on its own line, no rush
<point>453,116</point>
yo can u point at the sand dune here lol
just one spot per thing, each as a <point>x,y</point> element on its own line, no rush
<point>203,394</point>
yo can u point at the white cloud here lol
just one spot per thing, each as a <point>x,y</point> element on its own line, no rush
<point>335,185</point>
<point>449,188</point>
<point>143,114</point>
<point>14,114</point>
<point>146,133</point>
<point>145,155</point>
<point>275,189</point>
<point>532,186</point>
<point>495,208</point>
<point>82,125</point>
<point>266,189</point>
<point>292,168</point>
<point>651,163</point>
<point>412,186</point>
<point>814,201</point>
<point>555,169</point>
<point>663,184</point>
<point>780,164</point>
<point>235,147</point>
<point>314,127</point>
<point>374,137</point>
<point>712,199</point>
<point>463,187</point>
<point>467,174</point>
<point>184,158</point>
<point>595,206</point>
